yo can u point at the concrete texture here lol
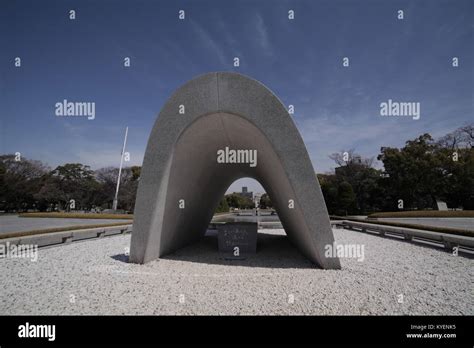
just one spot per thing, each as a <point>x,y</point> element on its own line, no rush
<point>94,278</point>
<point>180,163</point>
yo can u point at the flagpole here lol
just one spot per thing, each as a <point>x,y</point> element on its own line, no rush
<point>114,205</point>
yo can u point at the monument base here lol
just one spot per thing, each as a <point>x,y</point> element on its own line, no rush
<point>236,240</point>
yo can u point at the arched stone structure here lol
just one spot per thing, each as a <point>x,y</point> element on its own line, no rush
<point>207,114</point>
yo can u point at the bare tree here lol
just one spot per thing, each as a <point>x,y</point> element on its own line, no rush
<point>350,157</point>
<point>26,168</point>
<point>462,137</point>
<point>468,132</point>
<point>342,158</point>
<point>451,140</point>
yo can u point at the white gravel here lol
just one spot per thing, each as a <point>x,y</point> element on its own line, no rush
<point>92,278</point>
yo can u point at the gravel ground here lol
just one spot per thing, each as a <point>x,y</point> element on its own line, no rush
<point>93,277</point>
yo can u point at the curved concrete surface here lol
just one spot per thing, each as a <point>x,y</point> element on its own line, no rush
<point>180,166</point>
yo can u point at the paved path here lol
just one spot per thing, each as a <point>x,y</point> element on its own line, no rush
<point>93,277</point>
<point>13,223</point>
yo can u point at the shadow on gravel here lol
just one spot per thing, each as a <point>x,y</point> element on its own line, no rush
<point>273,251</point>
<point>120,257</point>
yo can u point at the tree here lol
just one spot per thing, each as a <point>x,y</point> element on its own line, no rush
<point>412,173</point>
<point>468,133</point>
<point>350,158</point>
<point>107,177</point>
<point>345,198</point>
<point>236,200</point>
<point>77,182</point>
<point>424,171</point>
<point>456,166</point>
<point>19,181</point>
<point>128,188</point>
<point>223,207</point>
<point>328,183</point>
<point>463,137</point>
<point>359,173</point>
<point>265,202</point>
<point>50,196</point>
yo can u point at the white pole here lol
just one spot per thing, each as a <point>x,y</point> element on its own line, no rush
<point>114,205</point>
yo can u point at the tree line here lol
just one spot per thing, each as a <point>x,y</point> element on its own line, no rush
<point>31,185</point>
<point>415,176</point>
<point>234,200</point>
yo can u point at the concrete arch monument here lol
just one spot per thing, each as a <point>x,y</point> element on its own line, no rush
<point>182,179</point>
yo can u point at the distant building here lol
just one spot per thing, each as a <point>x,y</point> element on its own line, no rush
<point>246,193</point>
<point>357,159</point>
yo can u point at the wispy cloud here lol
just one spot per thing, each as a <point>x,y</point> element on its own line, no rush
<point>209,42</point>
<point>262,36</point>
<point>328,133</point>
<point>229,38</point>
<point>94,151</point>
<point>106,157</point>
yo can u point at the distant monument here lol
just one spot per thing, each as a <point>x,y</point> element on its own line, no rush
<point>215,129</point>
<point>441,205</point>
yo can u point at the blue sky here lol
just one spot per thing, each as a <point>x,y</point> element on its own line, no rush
<point>336,107</point>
